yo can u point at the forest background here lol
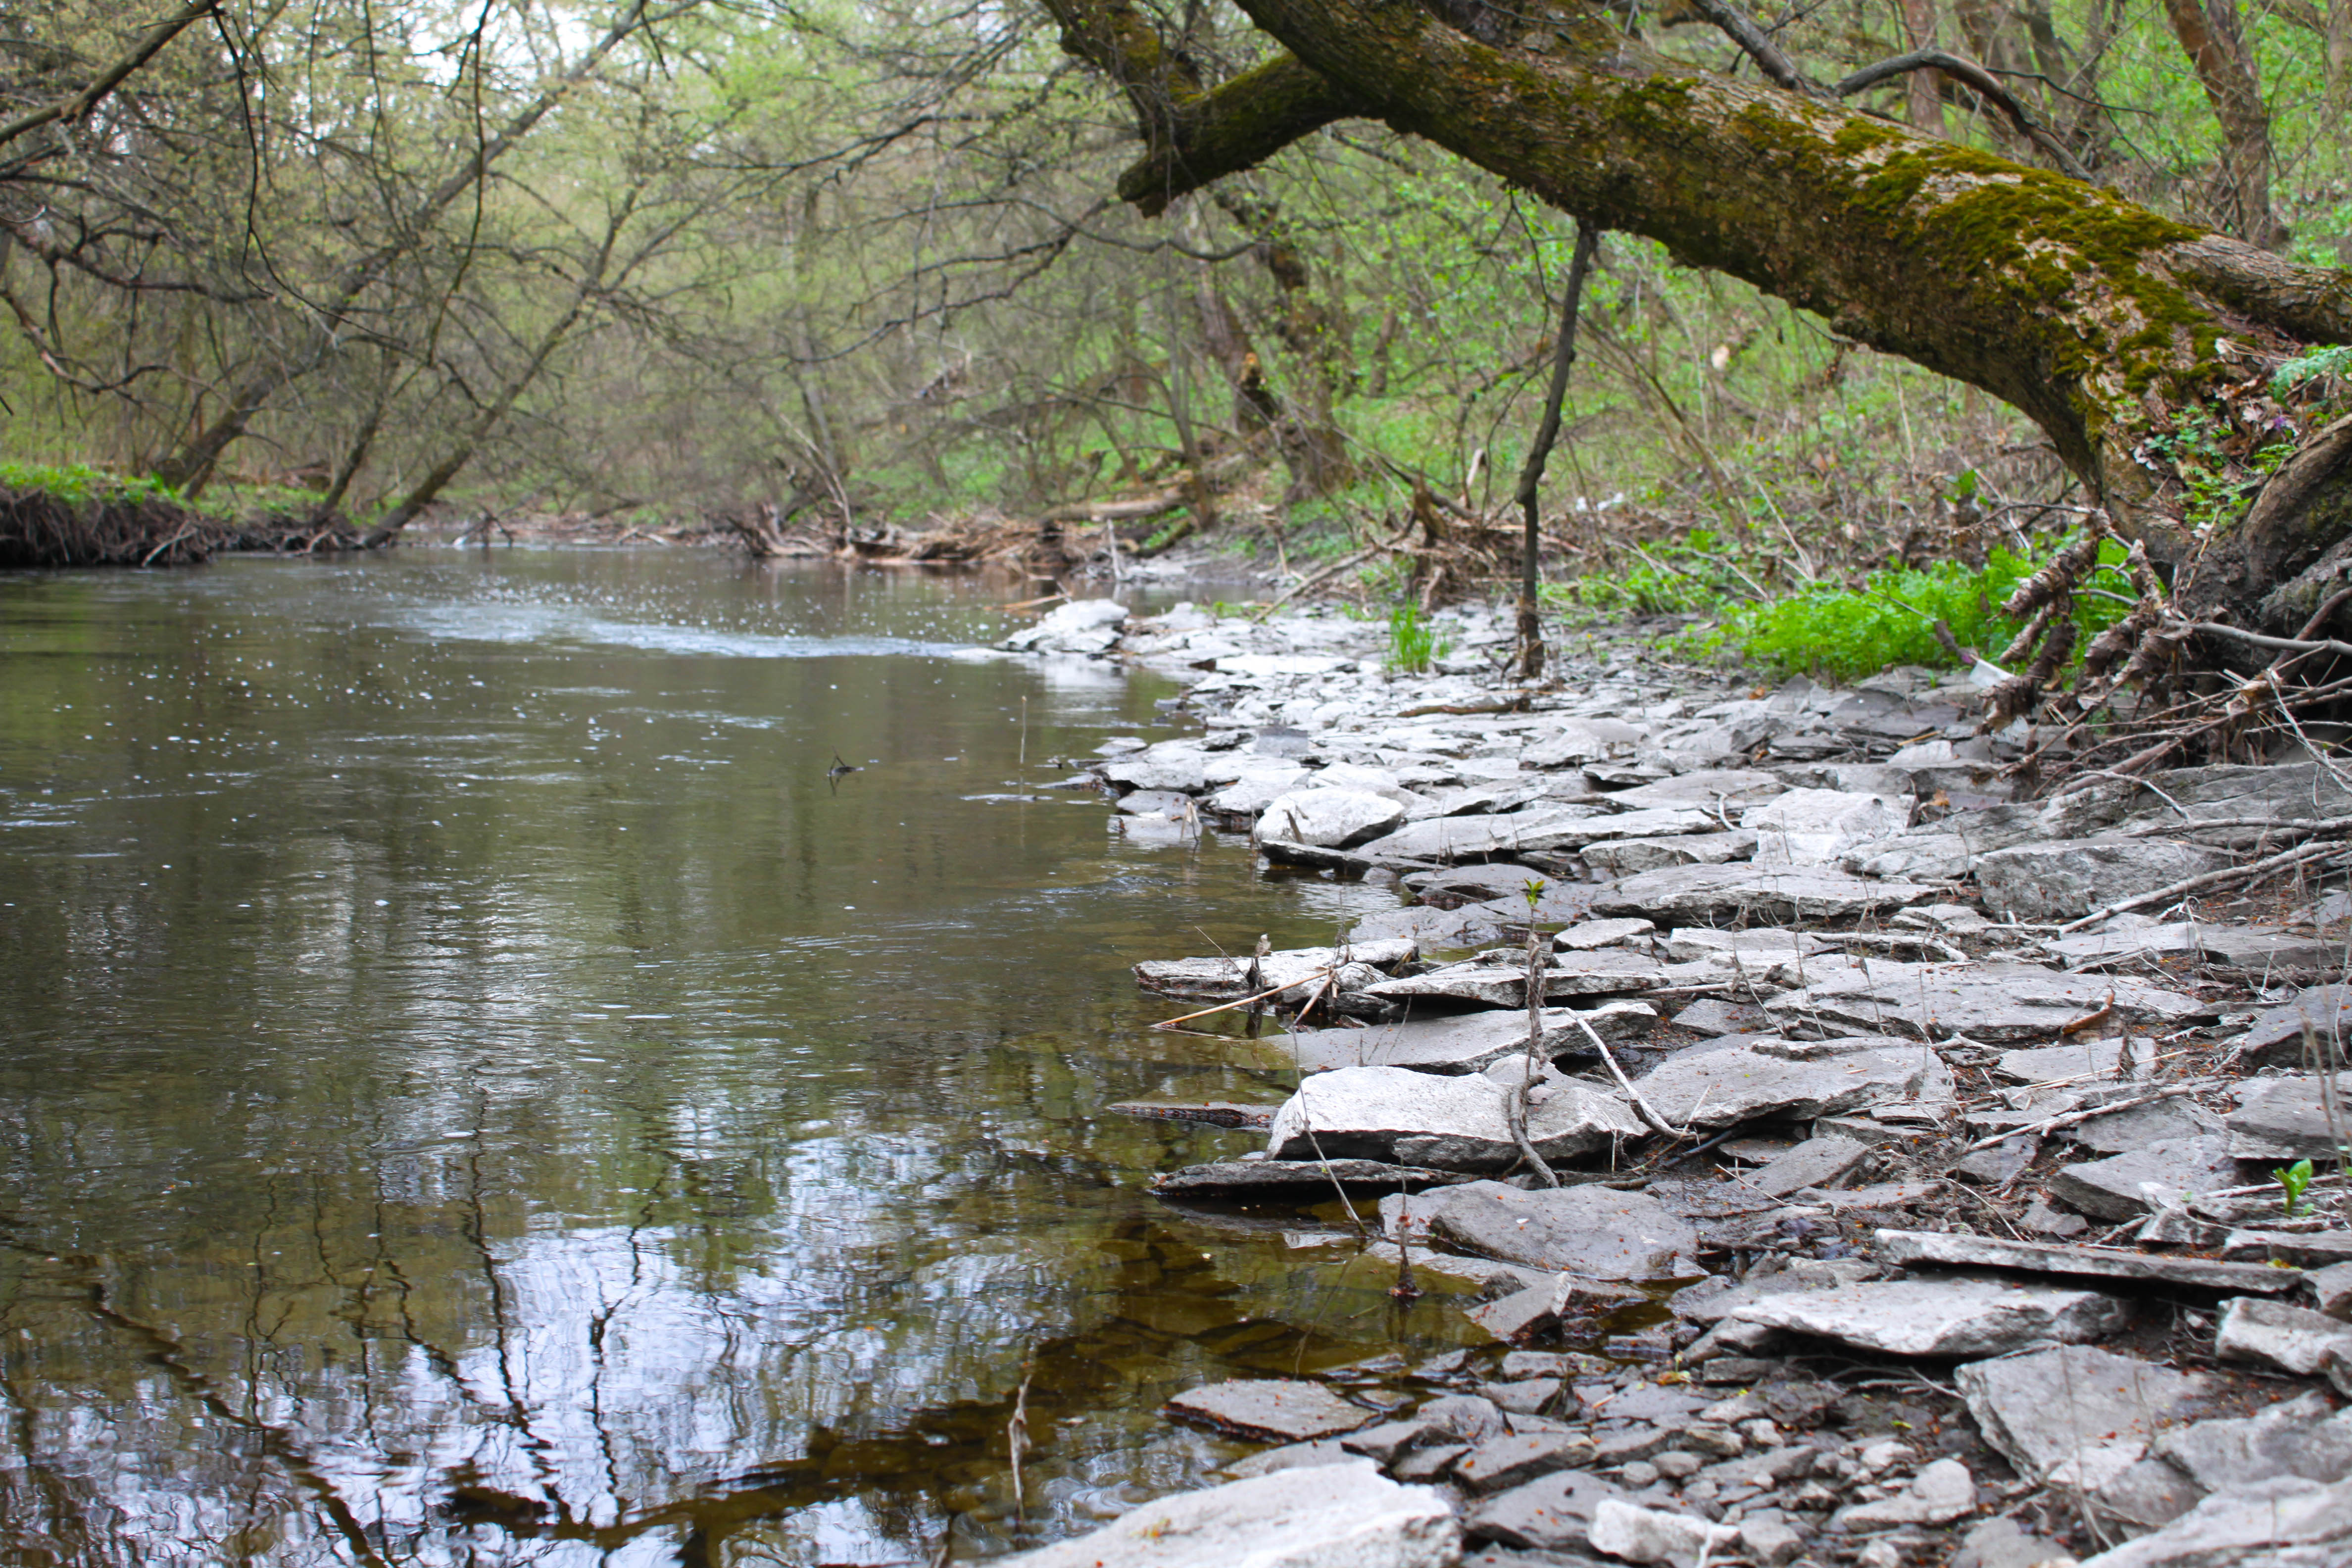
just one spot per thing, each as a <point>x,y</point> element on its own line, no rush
<point>669,260</point>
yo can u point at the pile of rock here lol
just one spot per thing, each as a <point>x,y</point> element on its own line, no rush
<point>1841,1059</point>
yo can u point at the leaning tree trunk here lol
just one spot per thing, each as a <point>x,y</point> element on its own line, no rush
<point>2101,320</point>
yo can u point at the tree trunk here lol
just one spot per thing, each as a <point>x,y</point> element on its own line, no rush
<point>2216,45</point>
<point>2099,319</point>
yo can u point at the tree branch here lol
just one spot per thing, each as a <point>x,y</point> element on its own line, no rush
<point>1736,25</point>
<point>73,106</point>
<point>1977,79</point>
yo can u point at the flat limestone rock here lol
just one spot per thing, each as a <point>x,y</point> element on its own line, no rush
<point>1464,1043</point>
<point>1553,1513</point>
<point>2084,1059</point>
<point>1609,972</point>
<point>1493,837</point>
<point>2059,878</point>
<point>2288,1522</point>
<point>1500,1463</point>
<point>1326,1516</point>
<point>1297,969</point>
<point>2301,1436</point>
<point>1630,856</point>
<point>2294,1338</point>
<point>2277,1038</point>
<point>1732,789</point>
<point>2124,1187</point>
<point>1589,1230</point>
<point>1815,1163</point>
<point>1953,1316</point>
<point>1295,1178</point>
<point>1990,1003</point>
<point>1329,818</point>
<point>2284,1118</point>
<point>1953,1250</point>
<point>1590,935</point>
<point>1748,1080</point>
<point>2051,1408</point>
<point>1269,1410</point>
<point>1814,826</point>
<point>1694,895</point>
<point>1452,1123</point>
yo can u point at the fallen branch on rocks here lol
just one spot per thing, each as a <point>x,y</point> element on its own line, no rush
<point>2075,1118</point>
<point>2229,876</point>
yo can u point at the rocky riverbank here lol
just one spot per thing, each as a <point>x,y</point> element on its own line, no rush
<point>1908,1153</point>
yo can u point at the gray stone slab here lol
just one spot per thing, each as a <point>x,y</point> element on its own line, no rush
<point>1499,837</point>
<point>1630,856</point>
<point>1689,895</point>
<point>2061,879</point>
<point>2284,1523</point>
<point>2276,1037</point>
<point>1449,1123</point>
<point>2005,1544</point>
<point>1325,1515</point>
<point>1990,1003</point>
<point>2293,1339</point>
<point>2286,1118</point>
<point>1732,789</point>
<point>1329,818</point>
<point>1501,1463</point>
<point>1940,1493</point>
<point>1223,979</point>
<point>2330,1290</point>
<point>1815,1163</point>
<point>2051,1408</point>
<point>1590,1230</point>
<point>1611,971</point>
<point>2124,1187</point>
<point>1463,1043</point>
<point>2298,1248</point>
<point>2303,1437</point>
<point>2083,1059</point>
<point>2166,1121</point>
<point>1955,1316</point>
<point>1296,1178</point>
<point>1793,1080</point>
<point>1270,1410</point>
<point>1814,826</point>
<point>1912,1248</point>
<point>1590,935</point>
<point>1553,1513</point>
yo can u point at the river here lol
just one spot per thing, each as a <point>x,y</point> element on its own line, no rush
<point>473,1089</point>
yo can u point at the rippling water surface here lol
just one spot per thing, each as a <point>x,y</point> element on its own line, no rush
<point>472,1091</point>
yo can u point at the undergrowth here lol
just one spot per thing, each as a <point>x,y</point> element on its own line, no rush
<point>1845,633</point>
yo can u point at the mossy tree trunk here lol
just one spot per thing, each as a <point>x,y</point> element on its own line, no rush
<point>2101,320</point>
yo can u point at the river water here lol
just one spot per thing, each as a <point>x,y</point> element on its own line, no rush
<point>473,1090</point>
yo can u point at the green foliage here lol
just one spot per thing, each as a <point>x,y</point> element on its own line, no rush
<point>1699,574</point>
<point>2334,360</point>
<point>77,482</point>
<point>1414,643</point>
<point>2294,1178</point>
<point>1844,632</point>
<point>2218,485</point>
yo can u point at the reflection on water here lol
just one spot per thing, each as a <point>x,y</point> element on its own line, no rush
<point>473,1091</point>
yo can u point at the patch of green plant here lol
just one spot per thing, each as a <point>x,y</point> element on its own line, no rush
<point>79,482</point>
<point>1844,632</point>
<point>2217,485</point>
<point>2332,361</point>
<point>1698,574</point>
<point>1414,643</point>
<point>2294,1178</point>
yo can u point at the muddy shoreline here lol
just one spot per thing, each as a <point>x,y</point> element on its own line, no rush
<point>1872,1105</point>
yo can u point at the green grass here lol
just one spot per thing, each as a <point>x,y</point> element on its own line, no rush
<point>1698,576</point>
<point>1414,643</point>
<point>77,483</point>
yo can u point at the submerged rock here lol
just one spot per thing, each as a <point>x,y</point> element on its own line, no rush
<point>1300,1179</point>
<point>1272,1410</point>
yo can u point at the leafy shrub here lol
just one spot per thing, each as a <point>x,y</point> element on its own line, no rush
<point>1697,574</point>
